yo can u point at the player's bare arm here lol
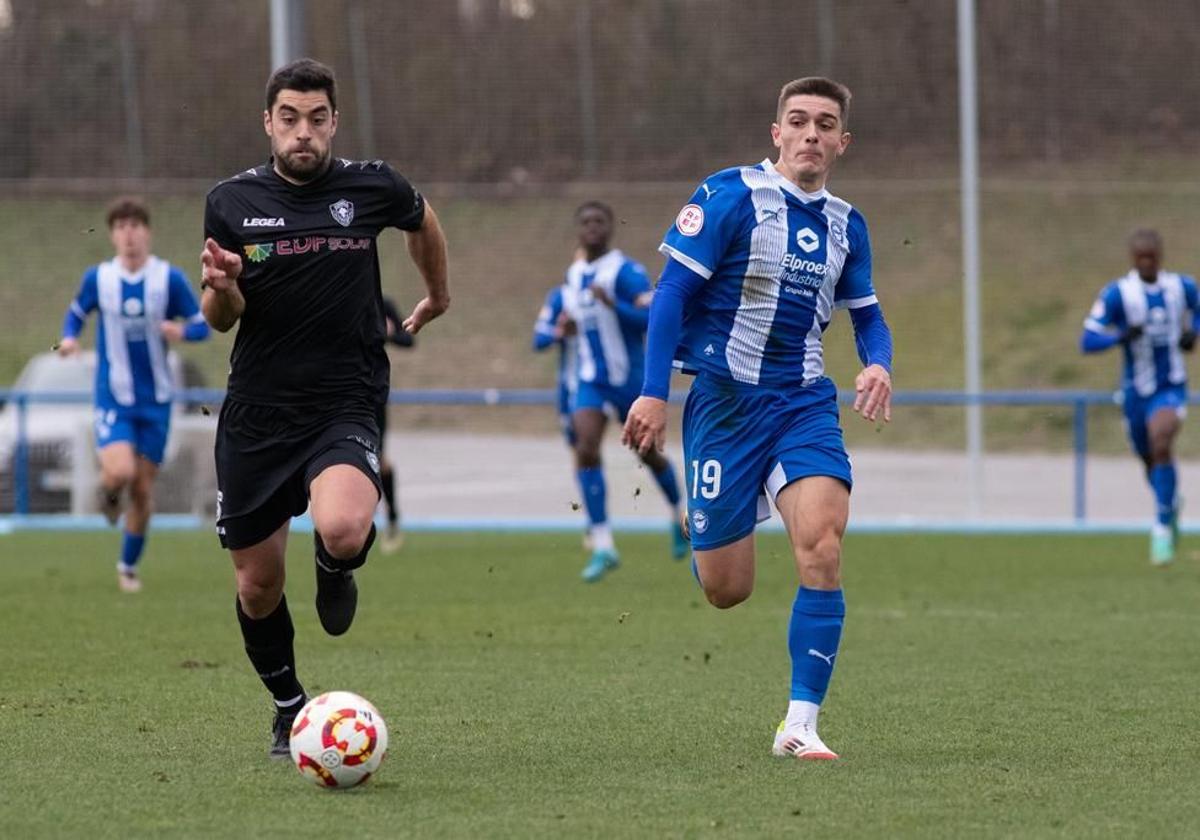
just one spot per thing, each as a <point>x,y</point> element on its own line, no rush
<point>427,247</point>
<point>646,426</point>
<point>873,393</point>
<point>221,301</point>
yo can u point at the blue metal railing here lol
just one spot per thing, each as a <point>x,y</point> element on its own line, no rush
<point>1078,401</point>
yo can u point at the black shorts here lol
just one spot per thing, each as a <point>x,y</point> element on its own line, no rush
<point>267,456</point>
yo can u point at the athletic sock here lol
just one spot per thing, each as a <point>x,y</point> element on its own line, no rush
<point>337,564</point>
<point>668,484</point>
<point>131,549</point>
<point>595,494</point>
<point>269,646</point>
<point>813,636</point>
<point>388,478</point>
<point>602,538</point>
<point>1163,480</point>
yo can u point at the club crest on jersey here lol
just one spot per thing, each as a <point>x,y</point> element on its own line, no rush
<point>837,233</point>
<point>807,240</point>
<point>690,220</point>
<point>342,212</point>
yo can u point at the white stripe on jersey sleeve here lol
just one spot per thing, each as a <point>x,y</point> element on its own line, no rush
<point>684,259</point>
<point>856,303</point>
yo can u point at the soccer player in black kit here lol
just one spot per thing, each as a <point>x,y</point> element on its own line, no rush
<point>290,252</point>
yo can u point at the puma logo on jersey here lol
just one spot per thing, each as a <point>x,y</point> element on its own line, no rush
<point>708,191</point>
<point>263,222</point>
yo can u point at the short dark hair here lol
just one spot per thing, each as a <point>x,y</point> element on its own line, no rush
<point>127,207</point>
<point>1145,236</point>
<point>303,74</point>
<point>816,86</point>
<point>593,204</point>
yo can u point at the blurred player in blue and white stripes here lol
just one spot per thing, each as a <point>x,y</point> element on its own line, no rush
<point>1153,315</point>
<point>603,307</point>
<point>757,262</point>
<point>144,303</point>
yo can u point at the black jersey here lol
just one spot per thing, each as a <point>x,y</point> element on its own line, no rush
<point>312,332</point>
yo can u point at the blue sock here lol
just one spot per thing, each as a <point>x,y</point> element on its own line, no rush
<point>1162,479</point>
<point>813,636</point>
<point>591,484</point>
<point>668,484</point>
<point>131,549</point>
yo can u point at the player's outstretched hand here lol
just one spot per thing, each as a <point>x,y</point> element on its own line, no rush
<point>67,347</point>
<point>873,393</point>
<point>219,269</point>
<point>646,425</point>
<point>171,330</point>
<point>425,311</point>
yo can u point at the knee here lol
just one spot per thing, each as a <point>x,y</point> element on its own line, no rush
<point>258,593</point>
<point>587,453</point>
<point>726,595</point>
<point>820,564</point>
<point>116,476</point>
<point>345,533</point>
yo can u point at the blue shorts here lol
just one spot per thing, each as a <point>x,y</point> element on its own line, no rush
<point>616,399</point>
<point>1139,410</point>
<point>144,426</point>
<point>741,442</point>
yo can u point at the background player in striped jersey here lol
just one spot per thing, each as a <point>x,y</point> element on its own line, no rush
<point>549,332</point>
<point>1153,314</point>
<point>604,304</point>
<point>139,297</point>
<point>757,262</point>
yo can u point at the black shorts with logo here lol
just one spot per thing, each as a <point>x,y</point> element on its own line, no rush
<point>267,456</point>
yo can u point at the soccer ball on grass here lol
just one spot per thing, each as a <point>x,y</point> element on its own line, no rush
<point>338,740</point>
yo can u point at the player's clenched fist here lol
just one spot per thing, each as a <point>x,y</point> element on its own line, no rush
<point>220,269</point>
<point>646,425</point>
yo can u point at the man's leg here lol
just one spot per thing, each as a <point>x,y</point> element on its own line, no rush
<point>267,630</point>
<point>137,522</point>
<point>1162,428</point>
<point>393,538</point>
<point>814,510</point>
<point>342,501</point>
<point>589,424</point>
<point>726,574</point>
<point>118,468</point>
<point>664,475</point>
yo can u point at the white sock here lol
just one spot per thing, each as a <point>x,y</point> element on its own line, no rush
<point>1160,530</point>
<point>602,539</point>
<point>802,713</point>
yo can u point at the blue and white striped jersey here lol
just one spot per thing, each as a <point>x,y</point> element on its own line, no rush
<point>777,262</point>
<point>1163,309</point>
<point>544,336</point>
<point>612,348</point>
<point>130,348</point>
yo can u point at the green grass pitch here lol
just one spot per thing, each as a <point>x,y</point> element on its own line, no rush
<point>987,687</point>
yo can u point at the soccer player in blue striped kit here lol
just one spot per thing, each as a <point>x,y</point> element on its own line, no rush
<point>1153,315</point>
<point>604,305</point>
<point>757,262</point>
<point>139,297</point>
